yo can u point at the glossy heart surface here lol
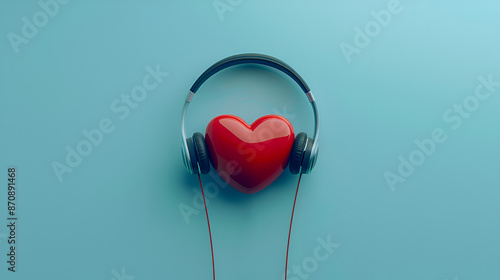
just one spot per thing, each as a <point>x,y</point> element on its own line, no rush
<point>249,157</point>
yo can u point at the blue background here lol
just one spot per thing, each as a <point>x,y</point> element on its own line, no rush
<point>116,215</point>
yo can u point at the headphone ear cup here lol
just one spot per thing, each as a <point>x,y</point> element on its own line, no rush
<point>307,165</point>
<point>190,164</point>
<point>201,152</point>
<point>297,153</point>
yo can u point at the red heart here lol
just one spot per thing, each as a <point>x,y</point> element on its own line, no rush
<point>249,157</point>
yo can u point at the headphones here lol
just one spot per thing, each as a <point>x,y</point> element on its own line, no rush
<point>304,152</point>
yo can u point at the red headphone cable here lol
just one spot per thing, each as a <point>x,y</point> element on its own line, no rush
<point>289,231</point>
<point>208,222</point>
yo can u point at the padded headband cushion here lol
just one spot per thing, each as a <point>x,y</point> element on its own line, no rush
<point>250,58</point>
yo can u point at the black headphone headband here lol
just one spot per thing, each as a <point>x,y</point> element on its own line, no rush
<point>310,159</point>
<point>250,58</point>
